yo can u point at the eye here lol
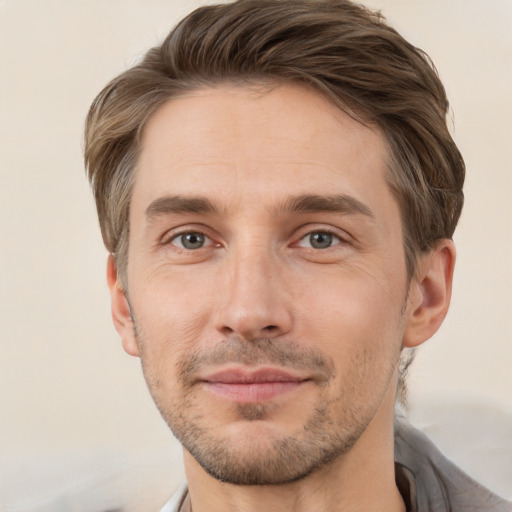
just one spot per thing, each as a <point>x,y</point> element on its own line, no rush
<point>319,240</point>
<point>191,240</point>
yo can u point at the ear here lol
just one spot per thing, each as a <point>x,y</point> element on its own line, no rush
<point>121,314</point>
<point>430,293</point>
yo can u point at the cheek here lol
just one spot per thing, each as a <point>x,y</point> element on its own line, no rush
<point>353,298</point>
<point>364,340</point>
<point>170,325</point>
<point>357,321</point>
<point>172,304</point>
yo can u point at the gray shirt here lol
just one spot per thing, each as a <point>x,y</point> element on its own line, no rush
<point>427,480</point>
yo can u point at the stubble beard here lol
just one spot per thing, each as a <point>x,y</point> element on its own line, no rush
<point>261,460</point>
<point>265,462</point>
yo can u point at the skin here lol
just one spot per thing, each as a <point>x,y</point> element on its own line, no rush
<point>320,293</point>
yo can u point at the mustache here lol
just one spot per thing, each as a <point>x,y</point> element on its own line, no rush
<point>259,352</point>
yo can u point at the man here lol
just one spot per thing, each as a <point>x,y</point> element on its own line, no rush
<point>278,190</point>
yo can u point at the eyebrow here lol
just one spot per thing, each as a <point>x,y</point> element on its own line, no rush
<point>306,203</point>
<point>338,203</point>
<point>180,205</point>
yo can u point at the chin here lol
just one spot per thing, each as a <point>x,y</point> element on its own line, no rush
<point>255,451</point>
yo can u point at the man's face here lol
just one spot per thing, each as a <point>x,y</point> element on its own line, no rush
<point>266,279</point>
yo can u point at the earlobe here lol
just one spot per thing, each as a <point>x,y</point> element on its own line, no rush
<point>121,314</point>
<point>430,294</point>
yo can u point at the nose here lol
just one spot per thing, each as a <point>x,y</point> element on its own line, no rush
<point>253,302</point>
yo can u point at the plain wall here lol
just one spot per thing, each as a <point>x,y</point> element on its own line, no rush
<point>73,405</point>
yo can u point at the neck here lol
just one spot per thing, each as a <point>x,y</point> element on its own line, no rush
<point>362,479</point>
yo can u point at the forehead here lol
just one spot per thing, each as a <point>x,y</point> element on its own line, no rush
<point>236,142</point>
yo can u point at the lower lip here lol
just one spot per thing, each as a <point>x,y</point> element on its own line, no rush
<point>253,392</point>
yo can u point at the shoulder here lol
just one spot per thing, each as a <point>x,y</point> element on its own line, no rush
<point>440,485</point>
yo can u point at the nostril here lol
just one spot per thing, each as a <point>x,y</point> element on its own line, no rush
<point>270,328</point>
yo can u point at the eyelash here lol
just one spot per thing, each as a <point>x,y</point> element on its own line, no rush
<point>182,234</point>
<point>331,233</point>
<point>326,231</point>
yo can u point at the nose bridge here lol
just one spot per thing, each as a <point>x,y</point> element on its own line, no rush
<point>253,303</point>
<point>254,276</point>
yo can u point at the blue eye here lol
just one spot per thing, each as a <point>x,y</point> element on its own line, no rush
<point>319,240</point>
<point>191,240</point>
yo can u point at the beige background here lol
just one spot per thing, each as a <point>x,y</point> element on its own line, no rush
<point>78,431</point>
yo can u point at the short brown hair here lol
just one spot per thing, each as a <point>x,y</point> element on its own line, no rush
<point>343,50</point>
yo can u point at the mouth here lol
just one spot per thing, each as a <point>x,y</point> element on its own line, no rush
<point>243,386</point>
